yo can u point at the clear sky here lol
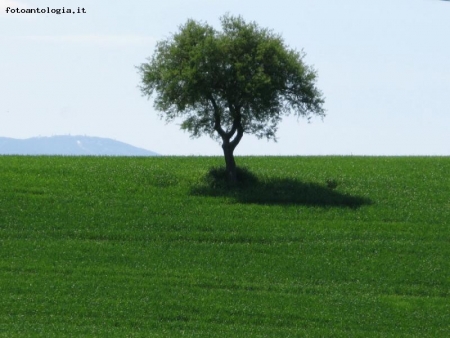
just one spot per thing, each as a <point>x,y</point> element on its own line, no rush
<point>383,65</point>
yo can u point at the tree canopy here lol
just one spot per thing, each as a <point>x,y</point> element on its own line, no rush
<point>241,79</point>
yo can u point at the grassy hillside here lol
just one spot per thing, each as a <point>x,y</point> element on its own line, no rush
<point>311,246</point>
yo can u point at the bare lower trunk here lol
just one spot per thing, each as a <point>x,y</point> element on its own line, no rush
<point>229,162</point>
<point>229,144</point>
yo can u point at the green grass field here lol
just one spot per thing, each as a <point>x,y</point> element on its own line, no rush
<point>153,247</point>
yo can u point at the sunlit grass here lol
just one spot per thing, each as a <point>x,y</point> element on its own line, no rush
<point>312,246</point>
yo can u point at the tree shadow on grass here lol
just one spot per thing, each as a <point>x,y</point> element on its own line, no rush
<point>275,191</point>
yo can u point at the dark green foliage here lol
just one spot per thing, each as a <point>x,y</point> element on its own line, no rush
<point>121,247</point>
<point>201,74</point>
<point>226,83</point>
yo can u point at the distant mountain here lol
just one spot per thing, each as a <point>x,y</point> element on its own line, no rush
<point>69,145</point>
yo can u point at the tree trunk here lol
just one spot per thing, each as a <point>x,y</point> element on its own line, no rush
<point>229,145</point>
<point>230,163</point>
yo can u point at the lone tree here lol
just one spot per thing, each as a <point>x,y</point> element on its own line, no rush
<point>227,83</point>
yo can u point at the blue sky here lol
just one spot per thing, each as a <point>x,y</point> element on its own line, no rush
<point>384,69</point>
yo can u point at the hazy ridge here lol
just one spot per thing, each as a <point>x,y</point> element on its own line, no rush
<point>70,145</point>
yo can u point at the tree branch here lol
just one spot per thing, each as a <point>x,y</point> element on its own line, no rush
<point>217,126</point>
<point>237,126</point>
<point>237,139</point>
